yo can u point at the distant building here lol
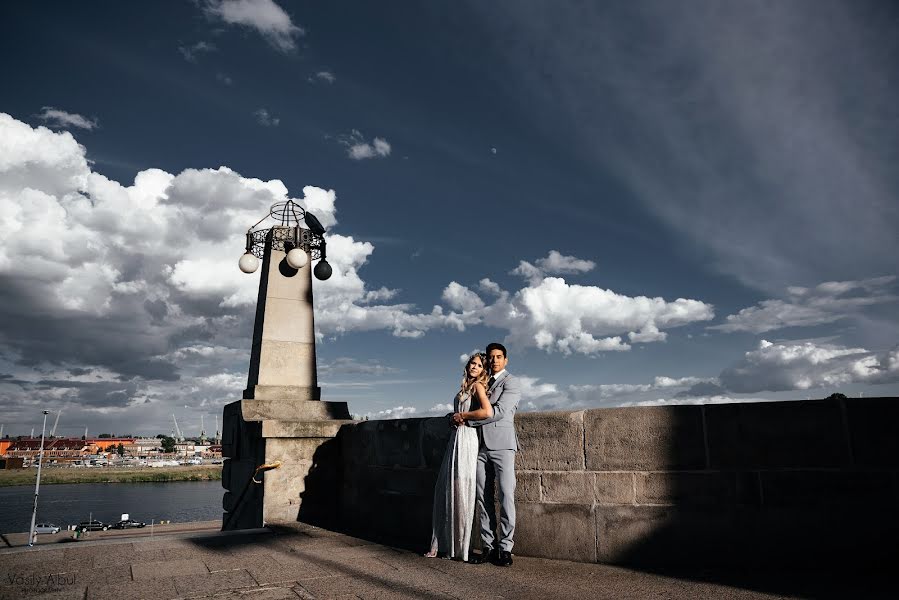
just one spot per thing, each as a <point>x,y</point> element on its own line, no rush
<point>55,449</point>
<point>12,463</point>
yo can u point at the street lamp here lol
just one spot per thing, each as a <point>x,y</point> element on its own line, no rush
<point>37,485</point>
<point>300,244</point>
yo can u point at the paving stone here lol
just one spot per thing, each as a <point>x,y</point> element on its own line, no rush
<point>199,585</point>
<point>147,589</point>
<point>154,555</point>
<point>167,568</point>
<point>268,593</point>
<point>272,573</point>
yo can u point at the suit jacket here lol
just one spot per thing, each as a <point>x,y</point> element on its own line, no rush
<point>498,432</point>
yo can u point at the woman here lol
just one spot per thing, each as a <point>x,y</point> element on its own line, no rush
<point>454,493</point>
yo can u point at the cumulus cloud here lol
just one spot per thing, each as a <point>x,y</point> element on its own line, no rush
<point>130,281</point>
<point>263,16</point>
<point>554,264</point>
<point>359,149</point>
<point>806,365</point>
<point>61,118</point>
<point>824,303</point>
<point>399,412</point>
<point>264,118</point>
<point>461,298</point>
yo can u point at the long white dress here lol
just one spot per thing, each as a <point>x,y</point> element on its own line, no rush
<point>454,492</point>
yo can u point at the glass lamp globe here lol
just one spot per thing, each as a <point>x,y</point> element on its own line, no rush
<point>297,258</point>
<point>248,263</point>
<point>322,270</point>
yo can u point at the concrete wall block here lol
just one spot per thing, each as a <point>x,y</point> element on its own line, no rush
<point>564,531</point>
<point>289,450</point>
<point>644,438</point>
<point>303,429</point>
<point>285,321</point>
<point>435,435</point>
<point>552,441</point>
<point>817,488</point>
<point>527,488</point>
<point>776,435</point>
<point>667,535</point>
<point>287,363</point>
<point>398,443</point>
<point>568,487</point>
<point>293,410</point>
<point>614,488</point>
<point>404,482</point>
<point>696,488</point>
<point>873,430</point>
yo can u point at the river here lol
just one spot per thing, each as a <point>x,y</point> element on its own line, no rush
<point>68,503</point>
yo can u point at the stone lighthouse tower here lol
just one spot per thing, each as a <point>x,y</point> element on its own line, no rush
<point>281,419</point>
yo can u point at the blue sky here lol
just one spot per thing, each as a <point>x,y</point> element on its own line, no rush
<point>648,202</point>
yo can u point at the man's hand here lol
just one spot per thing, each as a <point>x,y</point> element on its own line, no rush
<point>458,420</point>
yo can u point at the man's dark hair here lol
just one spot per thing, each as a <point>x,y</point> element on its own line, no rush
<point>497,346</point>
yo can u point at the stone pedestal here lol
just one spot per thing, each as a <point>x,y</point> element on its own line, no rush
<point>281,412</point>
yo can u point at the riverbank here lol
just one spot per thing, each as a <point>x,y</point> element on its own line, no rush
<point>51,475</point>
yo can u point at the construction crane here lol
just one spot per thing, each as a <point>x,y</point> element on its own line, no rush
<point>55,423</point>
<point>180,436</point>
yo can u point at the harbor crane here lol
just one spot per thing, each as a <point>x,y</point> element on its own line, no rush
<point>180,436</point>
<point>55,424</point>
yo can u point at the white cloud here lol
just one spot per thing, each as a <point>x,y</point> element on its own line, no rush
<point>359,149</point>
<point>461,298</point>
<point>556,316</point>
<point>554,264</point>
<point>808,365</point>
<point>264,118</point>
<point>61,118</point>
<point>191,53</point>
<point>263,16</point>
<point>326,76</point>
<point>824,303</point>
<point>400,412</point>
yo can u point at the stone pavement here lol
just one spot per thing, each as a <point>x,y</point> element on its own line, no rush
<point>306,562</point>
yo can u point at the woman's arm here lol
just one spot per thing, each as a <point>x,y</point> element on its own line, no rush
<point>485,411</point>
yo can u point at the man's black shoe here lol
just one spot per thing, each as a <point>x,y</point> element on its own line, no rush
<point>483,557</point>
<point>504,559</point>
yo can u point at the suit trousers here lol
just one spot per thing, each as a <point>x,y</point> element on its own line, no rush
<point>496,467</point>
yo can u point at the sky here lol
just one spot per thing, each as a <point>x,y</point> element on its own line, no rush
<point>647,202</point>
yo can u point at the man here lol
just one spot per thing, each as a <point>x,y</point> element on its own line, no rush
<point>496,460</point>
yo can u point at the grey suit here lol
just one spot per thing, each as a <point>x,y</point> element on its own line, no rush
<point>498,444</point>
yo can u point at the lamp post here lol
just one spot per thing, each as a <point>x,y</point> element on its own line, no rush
<point>37,485</point>
<point>281,418</point>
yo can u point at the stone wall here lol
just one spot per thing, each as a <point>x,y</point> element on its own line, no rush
<point>805,483</point>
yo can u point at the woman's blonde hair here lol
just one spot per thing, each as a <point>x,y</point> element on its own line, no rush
<point>468,382</point>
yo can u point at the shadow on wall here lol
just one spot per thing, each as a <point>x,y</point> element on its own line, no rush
<point>319,498</point>
<point>244,449</point>
<point>775,485</point>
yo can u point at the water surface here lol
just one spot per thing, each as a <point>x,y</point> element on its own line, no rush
<point>68,503</point>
